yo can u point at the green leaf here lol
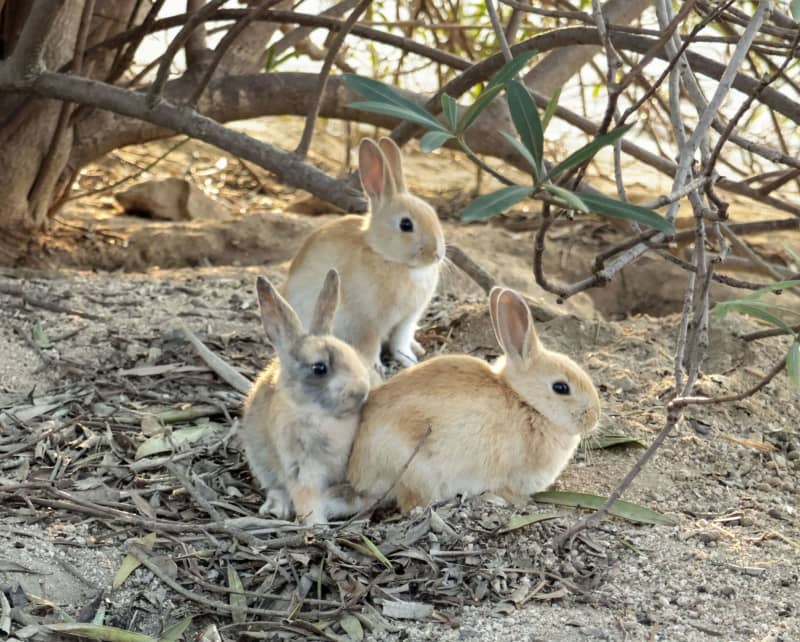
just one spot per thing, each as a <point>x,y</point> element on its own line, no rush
<point>617,209</point>
<point>382,94</point>
<point>625,510</point>
<point>588,151</point>
<point>396,111</point>
<point>755,309</point>
<point>772,287</point>
<point>376,552</point>
<point>475,109</point>
<point>499,201</point>
<point>450,110</point>
<point>526,120</point>
<point>793,363</point>
<point>174,632</point>
<point>351,625</point>
<point>98,632</point>
<point>130,563</point>
<point>550,110</point>
<point>609,440</point>
<point>571,199</point>
<point>794,7</point>
<point>520,521</point>
<point>434,140</point>
<point>521,149</point>
<point>511,69</point>
<point>237,598</point>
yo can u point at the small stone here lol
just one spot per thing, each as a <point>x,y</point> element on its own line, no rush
<point>764,487</point>
<point>727,591</point>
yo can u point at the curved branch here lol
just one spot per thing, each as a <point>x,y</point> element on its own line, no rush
<point>285,166</point>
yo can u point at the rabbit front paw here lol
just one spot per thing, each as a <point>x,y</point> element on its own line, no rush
<point>278,504</point>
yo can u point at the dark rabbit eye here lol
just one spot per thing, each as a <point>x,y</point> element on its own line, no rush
<point>319,368</point>
<point>561,388</point>
<point>406,224</point>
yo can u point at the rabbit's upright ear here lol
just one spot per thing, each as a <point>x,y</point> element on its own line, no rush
<point>494,295</point>
<point>327,302</point>
<point>374,171</point>
<point>515,327</point>
<point>395,159</point>
<point>281,323</point>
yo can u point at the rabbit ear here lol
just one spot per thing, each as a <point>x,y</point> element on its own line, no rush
<point>281,323</point>
<point>327,302</point>
<point>515,326</point>
<point>374,172</point>
<point>392,153</point>
<point>494,295</point>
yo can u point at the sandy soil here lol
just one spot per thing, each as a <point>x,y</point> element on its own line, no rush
<point>728,569</point>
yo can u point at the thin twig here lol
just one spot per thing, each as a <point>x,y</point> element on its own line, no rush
<point>330,56</point>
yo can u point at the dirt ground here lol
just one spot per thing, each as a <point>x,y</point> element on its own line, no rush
<point>93,355</point>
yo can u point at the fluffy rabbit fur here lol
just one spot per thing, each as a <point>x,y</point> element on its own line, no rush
<point>389,261</point>
<point>509,428</point>
<point>302,412</point>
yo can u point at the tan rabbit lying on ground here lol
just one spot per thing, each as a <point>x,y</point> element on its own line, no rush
<point>389,262</point>
<point>302,412</point>
<point>509,428</point>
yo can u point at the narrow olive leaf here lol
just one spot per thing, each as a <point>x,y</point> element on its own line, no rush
<point>397,111</point>
<point>626,510</point>
<point>496,202</point>
<point>95,632</point>
<point>609,440</point>
<point>376,552</point>
<point>588,151</point>
<point>130,563</point>
<point>511,69</point>
<point>521,521</point>
<point>526,120</point>
<point>174,632</point>
<point>617,209</point>
<point>237,598</point>
<point>379,93</point>
<point>434,140</point>
<point>793,363</point>
<point>475,109</point>
<point>772,287</point>
<point>794,7</point>
<point>570,199</point>
<point>351,625</point>
<point>521,149</point>
<point>754,309</point>
<point>550,110</point>
<point>450,110</point>
<point>164,443</point>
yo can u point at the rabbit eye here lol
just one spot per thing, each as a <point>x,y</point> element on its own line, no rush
<point>406,224</point>
<point>561,388</point>
<point>319,368</point>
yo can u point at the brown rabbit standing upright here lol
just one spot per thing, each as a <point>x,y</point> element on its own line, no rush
<point>389,261</point>
<point>302,412</point>
<point>462,426</point>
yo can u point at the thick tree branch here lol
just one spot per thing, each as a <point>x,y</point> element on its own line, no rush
<point>285,166</point>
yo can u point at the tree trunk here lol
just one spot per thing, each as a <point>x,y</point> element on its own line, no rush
<point>37,135</point>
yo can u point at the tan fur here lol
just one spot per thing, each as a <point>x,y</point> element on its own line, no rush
<point>388,276</point>
<point>497,428</point>
<point>297,426</point>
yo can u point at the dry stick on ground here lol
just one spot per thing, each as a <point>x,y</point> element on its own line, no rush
<point>226,372</point>
<point>16,290</point>
<point>774,332</point>
<point>330,57</point>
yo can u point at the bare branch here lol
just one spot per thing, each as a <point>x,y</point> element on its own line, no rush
<point>330,56</point>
